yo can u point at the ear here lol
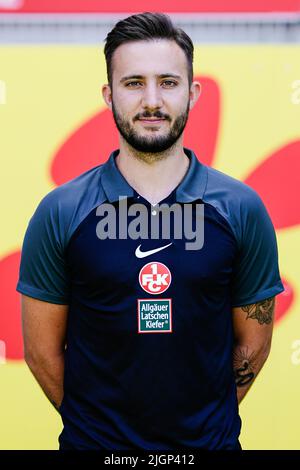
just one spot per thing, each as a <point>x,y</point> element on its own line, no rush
<point>107,95</point>
<point>195,92</point>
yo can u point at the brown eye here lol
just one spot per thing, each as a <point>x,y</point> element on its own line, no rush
<point>133,84</point>
<point>169,83</point>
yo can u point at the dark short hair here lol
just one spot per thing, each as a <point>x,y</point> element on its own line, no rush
<point>147,26</point>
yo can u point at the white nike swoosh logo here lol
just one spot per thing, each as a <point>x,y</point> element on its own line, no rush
<point>143,254</point>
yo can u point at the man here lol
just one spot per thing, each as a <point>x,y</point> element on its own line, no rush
<point>149,342</point>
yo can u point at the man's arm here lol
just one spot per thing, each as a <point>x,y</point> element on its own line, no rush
<point>44,334</point>
<point>253,328</point>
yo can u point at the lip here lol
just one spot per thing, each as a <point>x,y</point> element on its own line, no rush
<point>152,121</point>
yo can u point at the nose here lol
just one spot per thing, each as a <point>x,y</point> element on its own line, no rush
<point>152,98</point>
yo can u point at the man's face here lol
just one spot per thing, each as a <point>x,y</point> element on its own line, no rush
<point>150,93</point>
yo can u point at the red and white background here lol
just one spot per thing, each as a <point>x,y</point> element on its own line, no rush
<point>54,125</point>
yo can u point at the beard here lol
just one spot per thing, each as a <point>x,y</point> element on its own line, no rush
<point>151,144</point>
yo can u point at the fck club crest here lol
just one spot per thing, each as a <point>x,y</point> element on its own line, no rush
<point>155,278</point>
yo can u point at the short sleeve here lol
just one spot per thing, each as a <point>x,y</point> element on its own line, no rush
<point>256,272</point>
<point>43,271</point>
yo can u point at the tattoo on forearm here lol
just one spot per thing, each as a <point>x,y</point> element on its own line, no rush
<point>244,365</point>
<point>262,311</point>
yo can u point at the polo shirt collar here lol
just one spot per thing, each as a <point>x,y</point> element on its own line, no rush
<point>193,185</point>
<point>190,189</point>
<point>114,184</point>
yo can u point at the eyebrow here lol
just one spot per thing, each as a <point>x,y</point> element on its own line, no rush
<point>141,77</point>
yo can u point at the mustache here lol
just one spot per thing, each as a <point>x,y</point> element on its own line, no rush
<point>147,114</point>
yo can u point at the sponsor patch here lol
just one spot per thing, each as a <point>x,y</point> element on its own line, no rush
<point>155,315</point>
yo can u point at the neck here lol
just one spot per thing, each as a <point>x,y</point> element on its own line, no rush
<point>153,176</point>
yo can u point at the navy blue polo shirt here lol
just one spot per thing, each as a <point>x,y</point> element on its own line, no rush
<point>148,362</point>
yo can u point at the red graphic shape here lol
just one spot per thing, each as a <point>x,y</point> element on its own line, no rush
<point>88,146</point>
<point>10,318</point>
<point>91,143</point>
<point>284,301</point>
<point>203,125</point>
<point>134,6</point>
<point>155,278</point>
<point>277,181</point>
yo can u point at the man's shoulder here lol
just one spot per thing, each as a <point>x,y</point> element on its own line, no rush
<point>224,186</point>
<point>237,202</point>
<point>225,191</point>
<point>85,188</point>
<point>70,191</point>
<point>66,206</point>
